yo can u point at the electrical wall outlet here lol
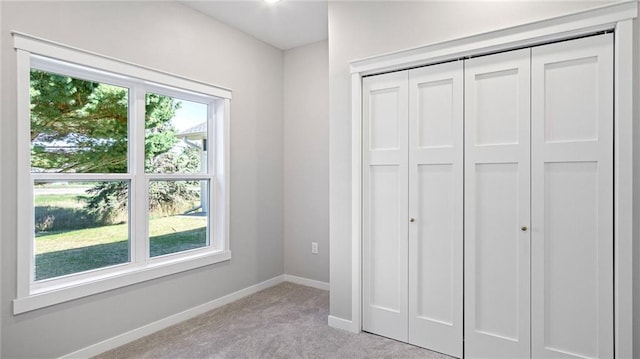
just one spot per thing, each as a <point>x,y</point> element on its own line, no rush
<point>314,247</point>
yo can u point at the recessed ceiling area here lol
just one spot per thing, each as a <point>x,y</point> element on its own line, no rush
<point>285,24</point>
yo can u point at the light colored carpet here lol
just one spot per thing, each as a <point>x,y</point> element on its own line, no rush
<point>285,321</point>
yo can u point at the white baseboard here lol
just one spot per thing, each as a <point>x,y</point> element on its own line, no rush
<point>342,324</point>
<point>306,281</point>
<point>138,333</point>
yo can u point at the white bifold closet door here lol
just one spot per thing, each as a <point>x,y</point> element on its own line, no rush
<point>497,206</point>
<point>436,207</point>
<point>540,288</point>
<point>385,205</point>
<point>413,206</point>
<point>572,199</point>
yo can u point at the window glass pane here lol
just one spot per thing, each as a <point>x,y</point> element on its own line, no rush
<point>178,216</point>
<point>77,126</point>
<point>80,226</point>
<point>176,135</point>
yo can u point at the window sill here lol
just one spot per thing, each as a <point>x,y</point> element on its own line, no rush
<point>128,275</point>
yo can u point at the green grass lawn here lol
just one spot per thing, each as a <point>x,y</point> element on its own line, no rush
<point>71,251</point>
<point>159,227</point>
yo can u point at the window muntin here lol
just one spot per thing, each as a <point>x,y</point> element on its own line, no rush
<point>38,54</point>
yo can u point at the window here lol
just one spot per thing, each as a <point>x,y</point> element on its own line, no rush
<point>123,174</point>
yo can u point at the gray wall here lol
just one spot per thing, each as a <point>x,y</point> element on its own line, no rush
<point>636,197</point>
<point>306,161</point>
<point>1,235</point>
<point>173,38</point>
<point>362,29</point>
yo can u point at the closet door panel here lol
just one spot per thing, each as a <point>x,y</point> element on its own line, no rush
<point>497,205</point>
<point>436,205</point>
<point>385,205</point>
<point>434,249</point>
<point>496,252</point>
<point>384,119</point>
<point>496,107</point>
<point>570,239</point>
<point>572,187</point>
<point>434,112</point>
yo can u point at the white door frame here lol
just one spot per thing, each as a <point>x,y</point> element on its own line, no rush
<point>617,17</point>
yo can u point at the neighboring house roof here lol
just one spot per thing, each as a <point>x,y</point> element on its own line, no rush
<point>197,132</point>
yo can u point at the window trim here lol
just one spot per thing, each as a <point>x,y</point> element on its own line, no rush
<point>44,54</point>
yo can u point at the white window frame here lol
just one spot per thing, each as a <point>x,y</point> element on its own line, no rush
<point>33,52</point>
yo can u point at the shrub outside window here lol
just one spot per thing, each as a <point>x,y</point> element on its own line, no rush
<point>123,173</point>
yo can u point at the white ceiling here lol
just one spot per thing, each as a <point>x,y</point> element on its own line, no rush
<point>285,24</point>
